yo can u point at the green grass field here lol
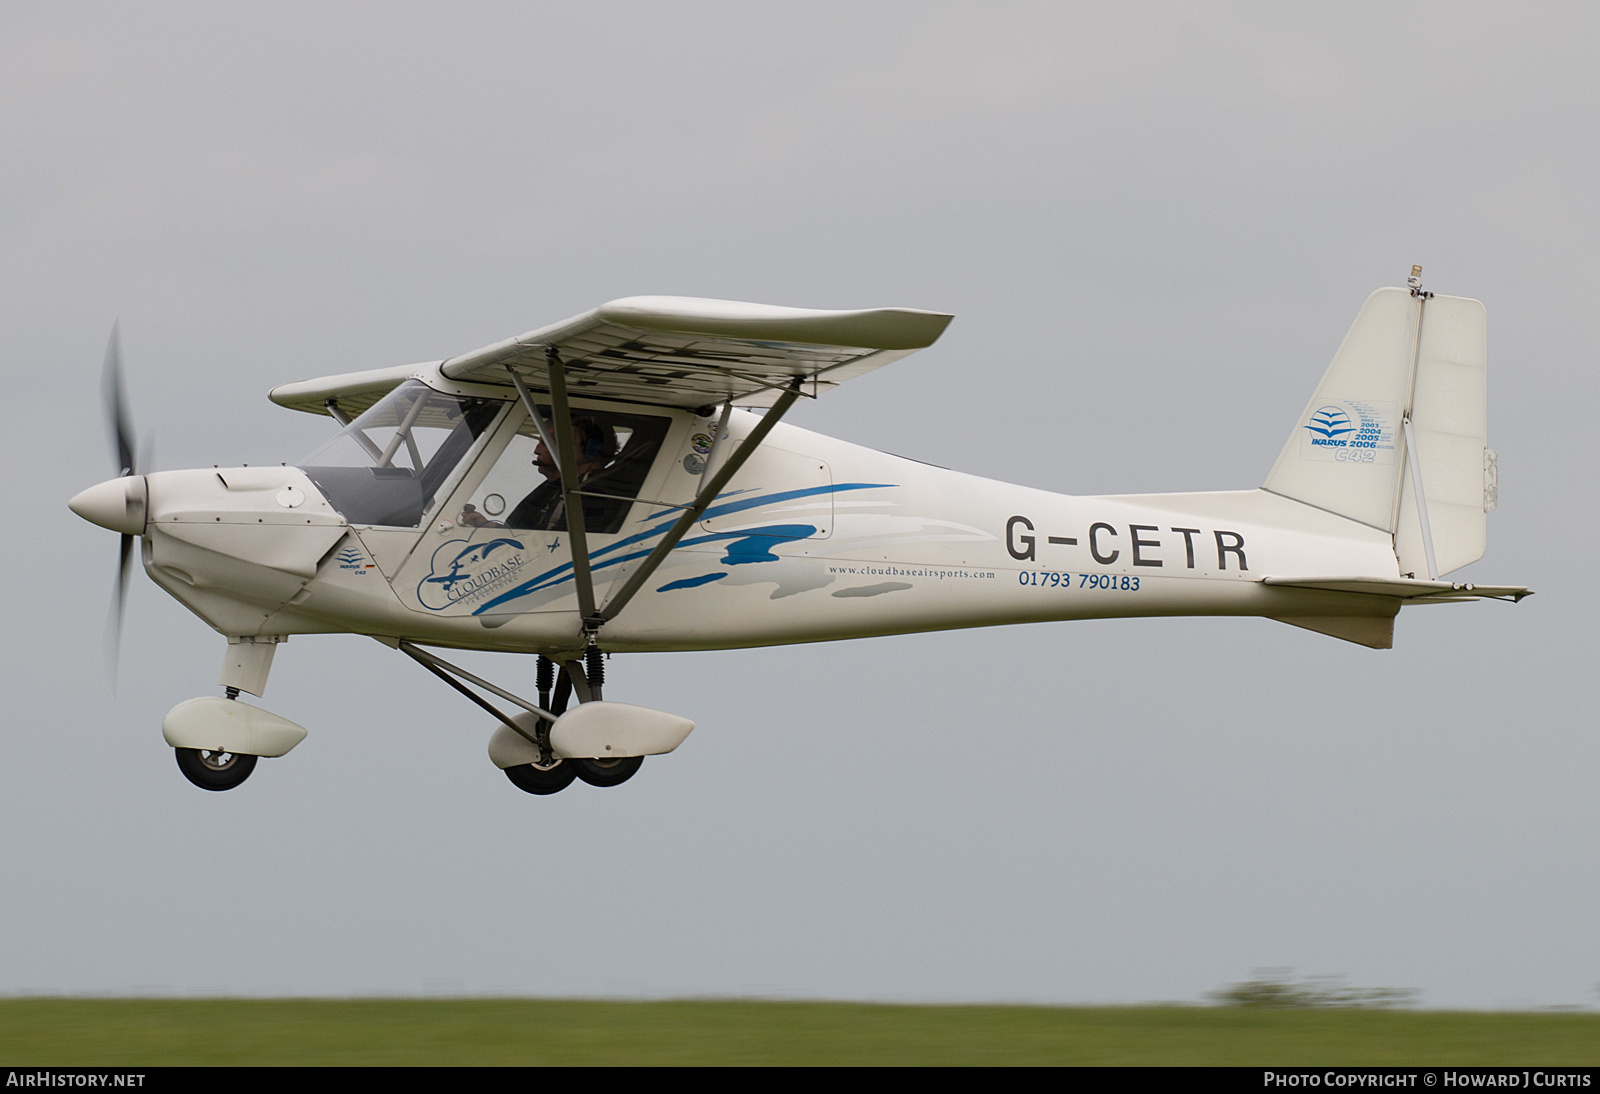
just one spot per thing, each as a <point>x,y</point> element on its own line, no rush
<point>134,1032</point>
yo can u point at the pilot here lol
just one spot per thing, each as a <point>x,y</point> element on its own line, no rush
<point>544,509</point>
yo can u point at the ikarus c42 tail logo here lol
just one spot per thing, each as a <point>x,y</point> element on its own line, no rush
<point>1349,431</point>
<point>1330,423</point>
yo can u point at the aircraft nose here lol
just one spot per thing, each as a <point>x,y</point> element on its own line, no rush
<point>117,504</point>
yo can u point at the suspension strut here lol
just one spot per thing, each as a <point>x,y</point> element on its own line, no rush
<point>546,679</point>
<point>594,667</point>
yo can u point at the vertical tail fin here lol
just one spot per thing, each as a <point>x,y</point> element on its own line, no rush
<point>1413,358</point>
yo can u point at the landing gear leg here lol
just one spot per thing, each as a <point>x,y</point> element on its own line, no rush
<point>245,668</point>
<point>547,675</point>
<point>558,683</point>
<point>563,696</point>
<point>574,677</point>
<point>598,772</point>
<point>551,773</point>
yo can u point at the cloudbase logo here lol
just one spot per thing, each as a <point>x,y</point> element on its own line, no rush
<point>463,573</point>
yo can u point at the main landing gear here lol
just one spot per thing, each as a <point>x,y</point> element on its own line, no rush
<point>540,778</point>
<point>522,746</point>
<point>213,770</point>
<point>550,773</point>
<point>608,772</point>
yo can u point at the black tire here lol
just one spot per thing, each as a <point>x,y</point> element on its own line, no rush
<point>542,780</point>
<point>215,770</point>
<point>607,772</point>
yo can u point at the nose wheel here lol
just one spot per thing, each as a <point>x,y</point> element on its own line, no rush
<point>216,770</point>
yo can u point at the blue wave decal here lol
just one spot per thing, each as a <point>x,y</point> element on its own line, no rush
<point>562,573</point>
<point>755,544</point>
<point>740,506</point>
<point>598,561</point>
<point>691,582</point>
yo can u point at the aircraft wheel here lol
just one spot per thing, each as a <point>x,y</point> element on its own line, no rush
<point>542,780</point>
<point>215,770</point>
<point>607,772</point>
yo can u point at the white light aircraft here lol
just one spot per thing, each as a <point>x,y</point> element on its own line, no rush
<point>602,486</point>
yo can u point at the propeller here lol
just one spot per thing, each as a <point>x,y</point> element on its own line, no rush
<point>125,445</point>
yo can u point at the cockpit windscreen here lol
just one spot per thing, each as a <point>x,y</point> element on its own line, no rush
<point>385,467</point>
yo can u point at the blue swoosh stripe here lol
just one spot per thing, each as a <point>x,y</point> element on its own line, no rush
<point>691,582</point>
<point>563,572</point>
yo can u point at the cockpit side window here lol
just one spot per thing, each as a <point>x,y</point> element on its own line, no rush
<point>615,452</point>
<point>386,466</point>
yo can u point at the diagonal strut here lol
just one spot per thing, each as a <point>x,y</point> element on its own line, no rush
<point>708,493</point>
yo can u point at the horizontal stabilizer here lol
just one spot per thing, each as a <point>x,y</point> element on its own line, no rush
<point>1405,588</point>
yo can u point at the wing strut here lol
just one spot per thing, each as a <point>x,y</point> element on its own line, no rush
<point>561,410</point>
<point>566,458</point>
<point>332,407</point>
<point>708,492</point>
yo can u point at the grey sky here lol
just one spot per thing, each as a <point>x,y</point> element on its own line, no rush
<point>1153,225</point>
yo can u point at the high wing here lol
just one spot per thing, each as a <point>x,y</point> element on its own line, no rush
<point>687,352</point>
<point>661,351</point>
<point>352,392</point>
<point>668,351</point>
